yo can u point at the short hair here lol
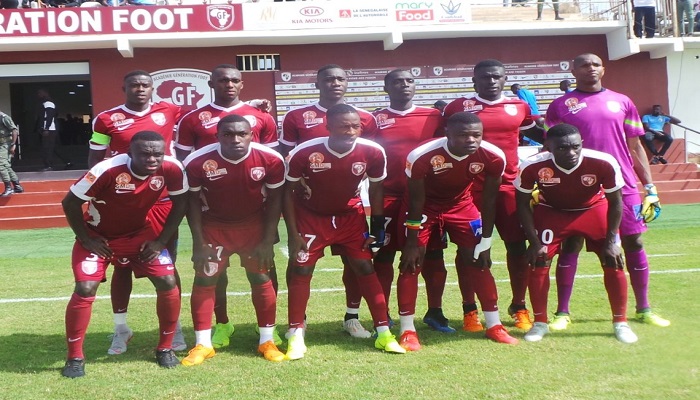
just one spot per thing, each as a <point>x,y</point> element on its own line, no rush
<point>137,72</point>
<point>463,117</point>
<point>339,109</point>
<point>488,63</point>
<point>224,66</point>
<point>440,103</point>
<point>656,105</point>
<point>230,119</point>
<point>515,86</point>
<point>580,57</point>
<point>565,82</point>
<point>387,77</point>
<point>327,67</point>
<point>562,130</point>
<point>147,136</point>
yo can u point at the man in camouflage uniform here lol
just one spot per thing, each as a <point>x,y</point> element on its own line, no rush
<point>8,143</point>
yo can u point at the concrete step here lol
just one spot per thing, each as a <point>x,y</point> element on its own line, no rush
<point>680,197</point>
<point>29,211</point>
<point>666,186</point>
<point>30,197</point>
<point>51,221</point>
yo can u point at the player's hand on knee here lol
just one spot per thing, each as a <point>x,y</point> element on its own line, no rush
<point>265,254</point>
<point>651,207</point>
<point>613,256</point>
<point>536,253</point>
<point>410,259</point>
<point>484,259</point>
<point>377,235</point>
<point>483,245</point>
<point>150,250</point>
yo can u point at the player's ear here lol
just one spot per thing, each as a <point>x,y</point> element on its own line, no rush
<point>210,84</point>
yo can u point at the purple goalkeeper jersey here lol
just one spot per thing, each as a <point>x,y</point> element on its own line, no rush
<point>605,119</point>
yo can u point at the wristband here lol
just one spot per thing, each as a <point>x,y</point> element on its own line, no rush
<point>412,224</point>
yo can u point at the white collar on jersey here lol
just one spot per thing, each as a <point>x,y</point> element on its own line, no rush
<point>138,113</point>
<point>404,112</point>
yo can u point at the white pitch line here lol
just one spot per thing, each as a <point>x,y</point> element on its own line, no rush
<point>321,290</point>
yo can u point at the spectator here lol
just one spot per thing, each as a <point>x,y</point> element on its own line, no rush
<point>645,10</point>
<point>440,105</point>
<point>685,8</point>
<point>555,4</point>
<point>8,144</point>
<point>9,4</point>
<point>654,124</point>
<point>565,86</point>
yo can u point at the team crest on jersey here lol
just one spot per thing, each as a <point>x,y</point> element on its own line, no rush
<point>588,180</point>
<point>574,106</point>
<point>257,173</point>
<point>88,267</point>
<point>546,175</point>
<point>310,118</point>
<point>614,106</point>
<point>316,162</point>
<point>302,256</point>
<point>476,167</point>
<point>383,120</point>
<point>251,120</point>
<point>122,183</point>
<point>212,170</point>
<point>439,164</point>
<point>211,268</point>
<point>156,183</point>
<point>470,105</point>
<point>359,168</point>
<point>510,109</point>
<point>158,118</point>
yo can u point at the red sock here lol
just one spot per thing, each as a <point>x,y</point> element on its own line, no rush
<point>353,294</point>
<point>168,310</point>
<point>616,286</point>
<point>120,289</point>
<point>466,286</point>
<point>385,274</point>
<point>435,276</point>
<point>518,271</point>
<point>407,292</point>
<point>372,292</point>
<point>202,305</point>
<point>539,290</point>
<point>484,286</point>
<point>78,314</point>
<point>221,302</point>
<point>298,298</point>
<point>265,303</point>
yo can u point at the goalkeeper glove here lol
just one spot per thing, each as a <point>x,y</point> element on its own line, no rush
<point>376,230</point>
<point>482,246</point>
<point>651,208</point>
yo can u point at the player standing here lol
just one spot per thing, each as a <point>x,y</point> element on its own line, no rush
<point>198,129</point>
<point>440,174</point>
<point>114,129</point>
<point>235,209</point>
<point>308,122</point>
<point>402,127</point>
<point>580,195</point>
<point>115,229</point>
<point>503,118</point>
<point>322,208</point>
<point>608,122</point>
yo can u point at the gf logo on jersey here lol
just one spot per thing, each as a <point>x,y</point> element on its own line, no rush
<point>359,168</point>
<point>158,118</point>
<point>156,183</point>
<point>614,106</point>
<point>588,180</point>
<point>476,167</point>
<point>257,173</point>
<point>510,109</point>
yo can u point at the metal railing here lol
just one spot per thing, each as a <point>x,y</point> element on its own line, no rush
<point>690,143</point>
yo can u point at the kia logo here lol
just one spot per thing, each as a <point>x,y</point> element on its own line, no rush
<point>311,11</point>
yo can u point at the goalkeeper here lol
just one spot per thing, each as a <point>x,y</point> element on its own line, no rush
<point>580,195</point>
<point>609,122</point>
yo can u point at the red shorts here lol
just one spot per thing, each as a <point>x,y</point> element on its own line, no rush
<point>462,223</point>
<point>345,232</point>
<point>507,222</point>
<point>90,267</point>
<point>395,213</point>
<point>553,226</point>
<point>238,239</point>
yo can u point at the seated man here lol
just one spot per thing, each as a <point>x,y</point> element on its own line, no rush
<point>579,195</point>
<point>654,124</point>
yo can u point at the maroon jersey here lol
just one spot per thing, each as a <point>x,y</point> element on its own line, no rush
<point>448,177</point>
<point>120,200</point>
<point>331,179</point>
<point>198,128</point>
<point>579,188</point>
<point>400,132</point>
<point>503,119</point>
<point>233,191</point>
<point>114,128</point>
<point>309,122</point>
